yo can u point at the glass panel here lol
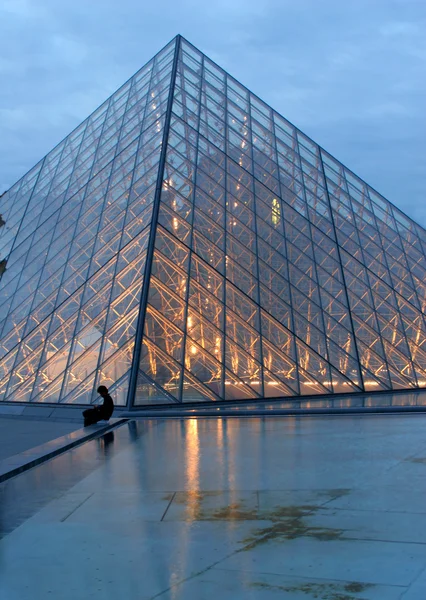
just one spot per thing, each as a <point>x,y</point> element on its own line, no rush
<point>195,391</point>
<point>276,307</point>
<point>374,363</point>
<point>207,336</point>
<point>84,392</point>
<point>280,365</point>
<point>163,333</point>
<point>81,368</point>
<point>309,385</point>
<point>236,389</point>
<point>315,365</point>
<point>203,366</point>
<point>206,250</point>
<point>341,384</point>
<point>166,302</point>
<point>6,365</point>
<point>115,368</point>
<point>244,366</point>
<point>160,367</point>
<point>273,387</point>
<point>371,383</point>
<point>279,336</point>
<point>173,278</point>
<point>245,336</point>
<point>147,392</point>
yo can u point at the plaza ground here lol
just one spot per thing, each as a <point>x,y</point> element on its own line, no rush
<point>330,507</point>
<point>19,434</point>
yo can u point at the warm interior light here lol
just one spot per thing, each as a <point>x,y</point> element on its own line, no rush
<point>241,368</point>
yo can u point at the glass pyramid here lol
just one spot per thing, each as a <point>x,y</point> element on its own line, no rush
<point>187,243</point>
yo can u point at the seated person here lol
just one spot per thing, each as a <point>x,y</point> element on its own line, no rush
<point>102,412</point>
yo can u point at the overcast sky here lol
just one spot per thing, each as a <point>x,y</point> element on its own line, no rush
<point>350,73</point>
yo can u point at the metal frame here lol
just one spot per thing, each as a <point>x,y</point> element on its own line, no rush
<point>341,265</point>
<point>151,246</point>
<point>186,307</point>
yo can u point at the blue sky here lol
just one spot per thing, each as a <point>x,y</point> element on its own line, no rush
<point>351,74</point>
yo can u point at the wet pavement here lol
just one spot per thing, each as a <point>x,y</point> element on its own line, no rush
<point>18,434</point>
<point>331,508</point>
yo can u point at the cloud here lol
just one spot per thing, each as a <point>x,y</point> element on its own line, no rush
<point>349,73</point>
<point>399,28</point>
<point>67,49</point>
<point>385,110</point>
<point>20,8</point>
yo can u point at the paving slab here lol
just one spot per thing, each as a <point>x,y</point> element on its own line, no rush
<point>18,463</point>
<point>253,508</point>
<point>18,434</point>
<point>232,585</point>
<point>404,527</point>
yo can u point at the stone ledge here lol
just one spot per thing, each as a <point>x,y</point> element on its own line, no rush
<point>64,413</point>
<point>223,411</point>
<point>19,463</point>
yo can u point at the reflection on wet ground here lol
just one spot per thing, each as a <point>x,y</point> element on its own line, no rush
<point>19,434</point>
<point>328,508</point>
<point>24,495</point>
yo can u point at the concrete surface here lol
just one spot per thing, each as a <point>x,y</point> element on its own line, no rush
<point>18,434</point>
<point>331,508</point>
<point>18,463</point>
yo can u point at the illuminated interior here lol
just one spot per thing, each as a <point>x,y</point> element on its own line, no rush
<point>247,262</point>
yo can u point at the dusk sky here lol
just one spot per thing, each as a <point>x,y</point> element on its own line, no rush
<point>351,74</point>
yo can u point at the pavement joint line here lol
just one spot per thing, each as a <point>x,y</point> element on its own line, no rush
<point>168,506</point>
<point>7,472</point>
<point>194,575</point>
<point>316,578</point>
<point>378,510</point>
<point>423,570</point>
<point>77,507</point>
<point>378,540</point>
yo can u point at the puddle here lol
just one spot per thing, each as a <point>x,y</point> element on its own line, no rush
<point>419,461</point>
<point>289,529</point>
<point>337,493</point>
<point>282,522</point>
<point>203,506</point>
<point>167,497</point>
<point>322,591</point>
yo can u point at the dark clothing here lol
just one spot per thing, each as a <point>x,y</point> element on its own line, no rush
<point>107,407</point>
<point>99,413</point>
<point>91,416</point>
